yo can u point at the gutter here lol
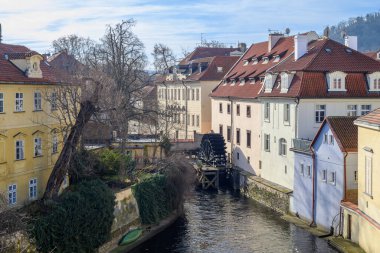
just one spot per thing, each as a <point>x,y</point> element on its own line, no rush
<point>312,224</point>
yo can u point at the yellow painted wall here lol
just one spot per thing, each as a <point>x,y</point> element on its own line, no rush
<point>26,126</point>
<point>354,225</point>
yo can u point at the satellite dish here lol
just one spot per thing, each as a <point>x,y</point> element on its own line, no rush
<point>287,31</point>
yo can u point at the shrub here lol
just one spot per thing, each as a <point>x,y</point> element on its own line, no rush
<point>79,221</point>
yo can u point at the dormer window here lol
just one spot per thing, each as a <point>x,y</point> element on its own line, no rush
<point>378,55</point>
<point>269,81</point>
<point>265,60</point>
<point>286,80</point>
<point>255,61</point>
<point>245,63</point>
<point>374,81</point>
<point>219,69</point>
<point>252,80</point>
<point>242,82</point>
<point>276,58</point>
<point>336,81</point>
<point>233,82</point>
<point>225,82</point>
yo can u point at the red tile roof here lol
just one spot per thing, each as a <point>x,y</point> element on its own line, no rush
<point>11,74</point>
<point>344,131</point>
<point>372,54</point>
<point>202,52</point>
<point>283,47</point>
<point>372,118</point>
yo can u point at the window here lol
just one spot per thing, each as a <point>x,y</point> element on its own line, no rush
<point>19,150</point>
<point>376,84</point>
<point>320,113</point>
<point>282,147</point>
<point>286,169</point>
<point>238,110</point>
<point>337,84</point>
<point>308,170</point>
<point>325,138</point>
<point>238,136</point>
<point>197,95</point>
<point>53,101</point>
<point>336,81</point>
<point>175,94</point>
<point>33,188</point>
<point>267,111</point>
<point>365,109</point>
<point>238,155</point>
<point>197,120</point>
<point>249,160</point>
<point>54,144</point>
<point>37,101</point>
<point>19,102</point>
<point>324,175</point>
<point>356,176</point>
<point>248,111</point>
<point>248,138</point>
<point>331,139</point>
<point>192,120</point>
<point>286,113</point>
<point>12,194</point>
<point>1,102</point>
<point>220,107</point>
<point>219,69</point>
<point>260,165</point>
<point>37,147</point>
<point>171,94</point>
<point>302,169</point>
<point>221,129</point>
<point>352,110</point>
<point>267,142</point>
<point>192,94</point>
<point>368,175</point>
<point>228,109</point>
<point>188,120</point>
<point>332,178</point>
<point>228,134</point>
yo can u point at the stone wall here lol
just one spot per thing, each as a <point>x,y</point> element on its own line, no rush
<point>269,194</point>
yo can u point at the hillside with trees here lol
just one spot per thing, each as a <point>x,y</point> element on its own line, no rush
<point>367,28</point>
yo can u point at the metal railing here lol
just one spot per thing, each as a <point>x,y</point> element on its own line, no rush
<point>301,144</point>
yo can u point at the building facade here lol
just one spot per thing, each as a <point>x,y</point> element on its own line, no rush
<point>183,95</point>
<point>361,222</point>
<point>30,141</point>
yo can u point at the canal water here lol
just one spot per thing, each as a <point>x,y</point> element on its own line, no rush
<point>226,222</point>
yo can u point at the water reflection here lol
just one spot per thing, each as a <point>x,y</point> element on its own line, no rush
<point>224,222</point>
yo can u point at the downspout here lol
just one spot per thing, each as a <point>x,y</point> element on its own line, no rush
<point>344,193</point>
<point>296,117</point>
<point>232,129</point>
<point>183,83</point>
<point>312,224</point>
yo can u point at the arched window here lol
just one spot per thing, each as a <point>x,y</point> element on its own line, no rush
<point>282,147</point>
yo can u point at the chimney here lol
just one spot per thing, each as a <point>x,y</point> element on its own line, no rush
<point>272,40</point>
<point>300,46</point>
<point>351,42</point>
<point>242,47</point>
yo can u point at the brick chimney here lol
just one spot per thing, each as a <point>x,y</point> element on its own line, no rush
<point>300,46</point>
<point>351,42</point>
<point>272,40</point>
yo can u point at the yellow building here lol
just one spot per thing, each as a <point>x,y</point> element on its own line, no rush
<point>361,223</point>
<point>29,138</point>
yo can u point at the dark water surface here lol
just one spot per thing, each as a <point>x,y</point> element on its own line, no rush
<point>225,222</point>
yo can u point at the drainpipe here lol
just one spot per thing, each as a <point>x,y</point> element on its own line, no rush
<point>232,129</point>
<point>345,175</point>
<point>296,117</point>
<point>314,176</point>
<point>183,83</point>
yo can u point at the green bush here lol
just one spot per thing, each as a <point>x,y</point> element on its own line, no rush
<point>117,163</point>
<point>79,221</point>
<point>153,199</point>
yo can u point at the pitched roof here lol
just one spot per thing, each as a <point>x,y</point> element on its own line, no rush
<point>211,73</point>
<point>245,68</point>
<point>372,54</point>
<point>372,118</point>
<point>326,55</point>
<point>344,130</point>
<point>11,74</point>
<point>202,52</point>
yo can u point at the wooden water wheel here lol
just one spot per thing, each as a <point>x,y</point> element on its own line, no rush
<point>213,150</point>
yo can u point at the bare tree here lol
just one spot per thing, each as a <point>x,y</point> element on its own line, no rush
<point>212,43</point>
<point>74,45</point>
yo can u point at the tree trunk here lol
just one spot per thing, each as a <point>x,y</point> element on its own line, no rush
<point>62,165</point>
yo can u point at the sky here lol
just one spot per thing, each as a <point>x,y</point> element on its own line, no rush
<point>178,24</point>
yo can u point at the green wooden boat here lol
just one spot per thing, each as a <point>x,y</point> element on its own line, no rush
<point>131,236</point>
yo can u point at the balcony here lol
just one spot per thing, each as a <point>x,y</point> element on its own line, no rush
<point>301,145</point>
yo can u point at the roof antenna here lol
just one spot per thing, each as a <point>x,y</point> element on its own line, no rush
<point>1,34</point>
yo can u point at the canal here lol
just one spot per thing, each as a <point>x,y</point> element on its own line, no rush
<point>226,222</point>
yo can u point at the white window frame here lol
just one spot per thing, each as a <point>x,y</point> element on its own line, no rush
<point>197,121</point>
<point>331,139</point>
<point>374,81</point>
<point>320,114</point>
<point>54,144</point>
<point>332,179</point>
<point>33,189</point>
<point>282,147</point>
<point>12,194</point>
<point>19,102</point>
<point>37,101</point>
<point>352,110</point>
<point>302,169</point>
<point>325,138</point>
<point>267,142</point>
<point>53,101</point>
<point>1,102</point>
<point>324,175</point>
<point>287,113</point>
<point>309,170</point>
<point>368,175</point>
<point>220,108</point>
<point>197,94</point>
<point>20,152</point>
<point>337,81</point>
<point>248,111</point>
<point>267,111</point>
<point>365,109</point>
<point>37,146</point>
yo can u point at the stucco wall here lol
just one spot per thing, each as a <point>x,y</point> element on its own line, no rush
<point>126,210</point>
<point>354,225</point>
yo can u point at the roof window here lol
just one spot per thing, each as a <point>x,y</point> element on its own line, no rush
<point>348,50</point>
<point>276,58</point>
<point>245,63</point>
<point>242,82</point>
<point>328,50</point>
<point>336,81</point>
<point>219,69</point>
<point>265,60</point>
<point>255,61</point>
